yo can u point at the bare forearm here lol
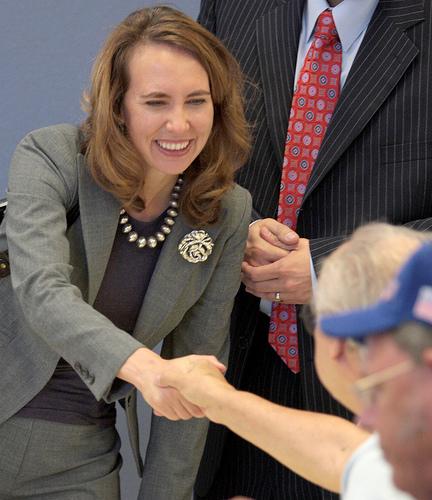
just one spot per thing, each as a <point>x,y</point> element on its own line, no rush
<point>315,446</point>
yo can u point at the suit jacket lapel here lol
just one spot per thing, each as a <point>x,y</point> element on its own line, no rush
<point>384,56</point>
<point>277,41</point>
<point>99,212</point>
<point>158,315</point>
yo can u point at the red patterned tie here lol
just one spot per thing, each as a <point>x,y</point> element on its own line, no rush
<point>313,103</point>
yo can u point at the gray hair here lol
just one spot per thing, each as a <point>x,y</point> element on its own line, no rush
<point>355,274</point>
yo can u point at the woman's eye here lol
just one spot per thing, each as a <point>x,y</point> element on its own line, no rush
<point>197,102</point>
<point>155,104</point>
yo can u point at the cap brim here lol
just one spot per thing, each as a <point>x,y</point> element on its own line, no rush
<point>360,323</point>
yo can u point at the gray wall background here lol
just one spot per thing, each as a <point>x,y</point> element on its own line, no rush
<point>47,48</point>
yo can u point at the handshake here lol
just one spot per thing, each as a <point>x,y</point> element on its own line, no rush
<point>200,383</point>
<point>179,388</point>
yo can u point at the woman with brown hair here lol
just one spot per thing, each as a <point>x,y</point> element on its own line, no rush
<point>155,254</point>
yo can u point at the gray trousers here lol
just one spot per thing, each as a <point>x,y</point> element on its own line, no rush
<point>41,460</point>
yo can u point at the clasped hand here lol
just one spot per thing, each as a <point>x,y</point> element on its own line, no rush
<point>202,384</point>
<point>277,260</point>
<point>143,368</point>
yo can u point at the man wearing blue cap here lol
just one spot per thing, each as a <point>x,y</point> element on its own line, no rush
<point>327,450</point>
<point>397,388</point>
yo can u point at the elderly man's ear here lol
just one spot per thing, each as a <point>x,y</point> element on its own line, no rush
<point>426,357</point>
<point>336,348</point>
<point>346,352</point>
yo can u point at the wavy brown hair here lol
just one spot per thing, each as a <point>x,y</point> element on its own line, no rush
<point>111,156</point>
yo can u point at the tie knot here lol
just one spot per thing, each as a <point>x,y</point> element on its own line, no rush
<point>325,26</point>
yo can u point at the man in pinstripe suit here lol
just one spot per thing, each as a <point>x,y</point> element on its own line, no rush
<point>375,162</point>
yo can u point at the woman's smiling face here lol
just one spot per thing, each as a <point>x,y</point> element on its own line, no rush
<point>168,108</point>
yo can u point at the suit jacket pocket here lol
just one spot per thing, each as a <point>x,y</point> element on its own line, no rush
<point>405,176</point>
<point>406,152</point>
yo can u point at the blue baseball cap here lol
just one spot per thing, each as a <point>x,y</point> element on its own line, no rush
<point>407,297</point>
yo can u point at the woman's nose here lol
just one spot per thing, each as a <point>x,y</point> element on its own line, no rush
<point>178,121</point>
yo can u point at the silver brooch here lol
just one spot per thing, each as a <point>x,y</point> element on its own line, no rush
<point>196,246</point>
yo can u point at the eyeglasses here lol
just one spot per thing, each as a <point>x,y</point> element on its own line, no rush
<point>366,385</point>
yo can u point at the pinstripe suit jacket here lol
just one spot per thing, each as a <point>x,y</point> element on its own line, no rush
<point>375,162</point>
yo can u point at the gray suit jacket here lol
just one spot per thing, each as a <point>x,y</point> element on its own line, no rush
<point>46,307</point>
<point>375,161</point>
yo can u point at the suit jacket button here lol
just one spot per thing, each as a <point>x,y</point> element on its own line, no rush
<point>4,265</point>
<point>78,367</point>
<point>243,343</point>
<point>91,379</point>
<point>85,373</point>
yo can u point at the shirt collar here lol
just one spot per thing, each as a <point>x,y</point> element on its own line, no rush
<point>351,17</point>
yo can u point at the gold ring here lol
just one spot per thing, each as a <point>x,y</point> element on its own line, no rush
<point>277,297</point>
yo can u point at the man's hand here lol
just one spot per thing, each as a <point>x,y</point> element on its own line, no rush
<point>142,369</point>
<point>269,241</point>
<point>290,276</point>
